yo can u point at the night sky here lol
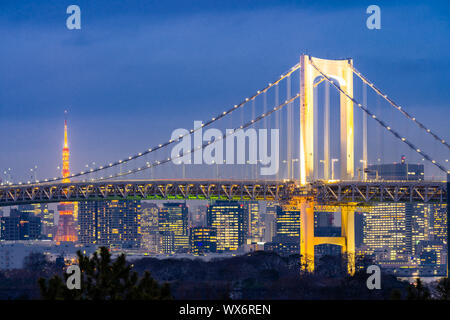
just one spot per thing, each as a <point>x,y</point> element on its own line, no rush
<point>139,69</point>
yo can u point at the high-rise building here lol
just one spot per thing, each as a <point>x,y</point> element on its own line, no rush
<point>111,223</point>
<point>385,232</point>
<point>254,222</point>
<point>67,230</point>
<point>173,227</point>
<point>198,218</point>
<point>47,217</point>
<point>150,237</point>
<point>406,236</point>
<point>269,221</point>
<point>396,171</point>
<point>227,218</point>
<point>20,226</point>
<point>287,239</point>
<point>288,223</point>
<point>203,240</point>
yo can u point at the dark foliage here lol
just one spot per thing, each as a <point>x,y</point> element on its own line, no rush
<point>417,291</point>
<point>105,279</point>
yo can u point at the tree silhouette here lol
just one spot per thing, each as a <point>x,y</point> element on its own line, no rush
<point>443,289</point>
<point>105,279</point>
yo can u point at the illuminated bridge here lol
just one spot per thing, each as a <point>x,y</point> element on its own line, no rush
<point>297,170</point>
<point>245,190</point>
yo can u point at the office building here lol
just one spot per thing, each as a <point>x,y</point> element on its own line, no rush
<point>227,218</point>
<point>283,245</point>
<point>406,237</point>
<point>203,240</point>
<point>253,214</point>
<point>173,227</point>
<point>67,227</point>
<point>150,237</point>
<point>20,226</point>
<point>112,223</point>
<point>395,171</point>
<point>47,217</point>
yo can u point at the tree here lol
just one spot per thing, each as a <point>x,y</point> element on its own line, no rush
<point>396,294</point>
<point>35,262</point>
<point>443,289</point>
<point>105,279</point>
<point>417,291</point>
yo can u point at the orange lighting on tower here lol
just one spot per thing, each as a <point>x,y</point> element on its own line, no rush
<point>65,155</point>
<point>66,224</point>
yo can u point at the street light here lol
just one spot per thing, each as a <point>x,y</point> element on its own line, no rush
<point>33,173</point>
<point>323,161</point>
<point>7,174</point>
<point>332,167</point>
<point>292,167</point>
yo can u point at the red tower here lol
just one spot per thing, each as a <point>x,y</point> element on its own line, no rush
<point>66,224</point>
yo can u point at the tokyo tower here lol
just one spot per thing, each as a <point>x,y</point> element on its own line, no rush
<point>66,225</point>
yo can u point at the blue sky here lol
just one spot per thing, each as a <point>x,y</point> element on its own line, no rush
<point>139,69</point>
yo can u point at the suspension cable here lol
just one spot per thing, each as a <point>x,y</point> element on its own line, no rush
<point>223,137</point>
<point>384,125</point>
<point>399,108</point>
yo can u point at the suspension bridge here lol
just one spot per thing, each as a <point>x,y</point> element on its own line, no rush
<point>323,138</point>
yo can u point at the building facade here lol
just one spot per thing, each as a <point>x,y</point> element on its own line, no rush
<point>173,228</point>
<point>112,223</point>
<point>20,226</point>
<point>227,218</point>
<point>203,240</point>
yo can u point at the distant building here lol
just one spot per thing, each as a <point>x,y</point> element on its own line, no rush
<point>385,231</point>
<point>254,234</point>
<point>288,223</point>
<point>112,223</point>
<point>269,222</point>
<point>227,218</point>
<point>199,216</point>
<point>395,171</point>
<point>406,237</point>
<point>173,228</point>
<point>13,253</point>
<point>203,240</point>
<point>287,238</point>
<point>47,217</point>
<point>20,226</point>
<point>283,245</point>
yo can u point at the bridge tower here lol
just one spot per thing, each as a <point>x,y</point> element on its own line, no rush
<point>340,71</point>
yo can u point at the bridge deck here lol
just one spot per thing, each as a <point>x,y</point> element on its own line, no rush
<point>242,190</point>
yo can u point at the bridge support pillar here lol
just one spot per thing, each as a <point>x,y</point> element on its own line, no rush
<point>348,233</point>
<point>307,235</point>
<point>308,240</point>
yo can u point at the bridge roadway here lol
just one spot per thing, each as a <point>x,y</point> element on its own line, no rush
<point>324,192</point>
